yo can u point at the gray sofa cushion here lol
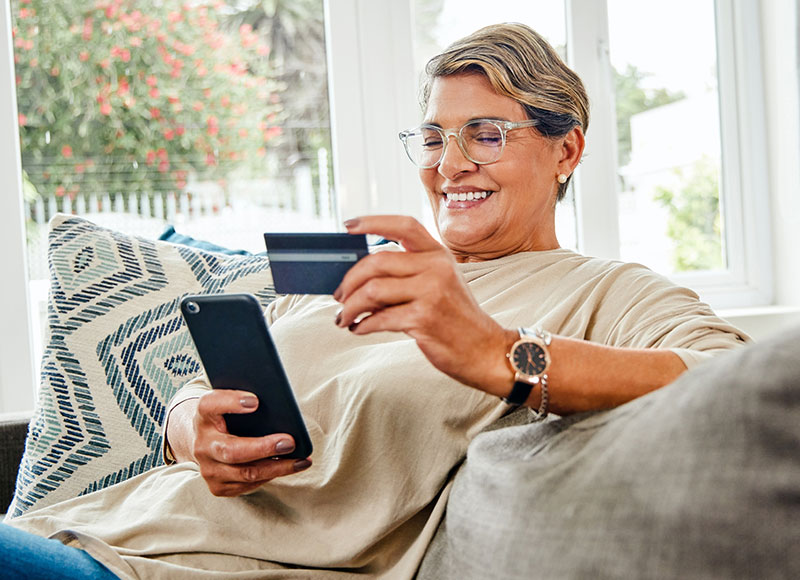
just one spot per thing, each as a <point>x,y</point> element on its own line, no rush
<point>12,444</point>
<point>700,479</point>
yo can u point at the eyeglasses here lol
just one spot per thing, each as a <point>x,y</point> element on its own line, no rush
<point>481,141</point>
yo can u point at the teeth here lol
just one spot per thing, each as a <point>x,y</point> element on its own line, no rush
<point>471,196</point>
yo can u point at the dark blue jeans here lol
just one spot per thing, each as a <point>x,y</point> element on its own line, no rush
<point>32,557</point>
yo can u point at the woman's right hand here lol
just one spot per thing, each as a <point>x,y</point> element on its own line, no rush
<point>230,465</point>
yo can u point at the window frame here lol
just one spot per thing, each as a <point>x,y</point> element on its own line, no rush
<point>16,343</point>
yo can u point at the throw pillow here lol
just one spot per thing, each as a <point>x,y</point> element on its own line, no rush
<point>116,350</point>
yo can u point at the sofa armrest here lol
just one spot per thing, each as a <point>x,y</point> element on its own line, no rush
<point>13,431</point>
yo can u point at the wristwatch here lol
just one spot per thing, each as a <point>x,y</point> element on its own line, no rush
<point>530,359</point>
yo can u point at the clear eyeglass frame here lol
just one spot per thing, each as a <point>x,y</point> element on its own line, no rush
<point>503,126</point>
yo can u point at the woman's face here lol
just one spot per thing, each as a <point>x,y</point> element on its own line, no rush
<point>518,212</point>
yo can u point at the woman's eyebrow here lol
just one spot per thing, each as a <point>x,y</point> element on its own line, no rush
<point>470,120</point>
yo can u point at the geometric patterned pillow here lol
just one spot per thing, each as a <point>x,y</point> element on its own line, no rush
<point>116,350</point>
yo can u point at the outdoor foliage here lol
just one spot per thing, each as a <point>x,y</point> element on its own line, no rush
<point>632,98</point>
<point>694,218</point>
<point>138,95</point>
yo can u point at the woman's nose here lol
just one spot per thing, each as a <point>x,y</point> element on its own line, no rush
<point>454,161</point>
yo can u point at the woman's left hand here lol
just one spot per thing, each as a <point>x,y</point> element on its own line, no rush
<point>421,293</point>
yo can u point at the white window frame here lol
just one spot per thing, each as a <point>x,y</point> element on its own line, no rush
<point>16,344</point>
<point>373,90</point>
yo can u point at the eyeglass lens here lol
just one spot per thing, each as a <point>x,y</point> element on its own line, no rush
<point>480,141</point>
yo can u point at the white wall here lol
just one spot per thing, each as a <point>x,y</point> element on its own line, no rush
<point>780,21</point>
<point>780,24</point>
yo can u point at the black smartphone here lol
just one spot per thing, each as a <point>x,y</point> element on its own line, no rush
<point>312,263</point>
<point>237,352</point>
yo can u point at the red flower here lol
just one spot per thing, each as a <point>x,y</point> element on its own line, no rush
<point>151,81</point>
<point>66,151</point>
<point>151,157</point>
<point>169,134</point>
<point>23,120</point>
<point>88,27</point>
<point>83,56</point>
<point>154,93</point>
<point>105,108</point>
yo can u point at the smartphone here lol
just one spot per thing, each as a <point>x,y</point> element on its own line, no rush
<point>312,263</point>
<point>237,352</point>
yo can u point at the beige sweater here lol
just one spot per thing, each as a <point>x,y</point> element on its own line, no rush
<point>387,429</point>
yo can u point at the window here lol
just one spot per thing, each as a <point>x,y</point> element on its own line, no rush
<point>370,71</point>
<point>696,141</point>
<point>673,141</point>
<point>209,116</point>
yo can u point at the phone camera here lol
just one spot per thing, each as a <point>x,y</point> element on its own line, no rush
<point>192,307</point>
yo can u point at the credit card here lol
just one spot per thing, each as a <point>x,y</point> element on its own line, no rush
<point>312,263</point>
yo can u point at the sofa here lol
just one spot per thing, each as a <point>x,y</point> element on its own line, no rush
<point>700,479</point>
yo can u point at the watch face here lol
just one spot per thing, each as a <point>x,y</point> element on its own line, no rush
<point>529,358</point>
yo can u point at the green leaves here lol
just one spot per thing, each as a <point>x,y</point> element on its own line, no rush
<point>695,221</point>
<point>138,95</point>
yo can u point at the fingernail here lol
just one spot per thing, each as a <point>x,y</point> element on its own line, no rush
<point>337,295</point>
<point>249,402</point>
<point>353,327</point>
<point>351,223</point>
<point>302,464</point>
<point>338,319</point>
<point>284,446</point>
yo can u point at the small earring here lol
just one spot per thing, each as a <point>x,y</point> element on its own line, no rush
<point>562,178</point>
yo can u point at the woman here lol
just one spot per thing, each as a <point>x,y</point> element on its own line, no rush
<point>413,354</point>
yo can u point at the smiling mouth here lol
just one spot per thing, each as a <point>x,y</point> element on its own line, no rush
<point>469,196</point>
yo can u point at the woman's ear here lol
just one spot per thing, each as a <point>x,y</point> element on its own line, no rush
<point>571,151</point>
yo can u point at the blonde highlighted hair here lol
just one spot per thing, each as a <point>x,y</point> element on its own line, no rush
<point>520,64</point>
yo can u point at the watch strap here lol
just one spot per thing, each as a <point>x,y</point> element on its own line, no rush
<point>519,393</point>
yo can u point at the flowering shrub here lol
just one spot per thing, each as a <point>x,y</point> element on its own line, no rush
<point>137,95</point>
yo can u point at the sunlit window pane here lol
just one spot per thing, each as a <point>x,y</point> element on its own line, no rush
<point>668,134</point>
<point>211,116</point>
<point>208,115</point>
